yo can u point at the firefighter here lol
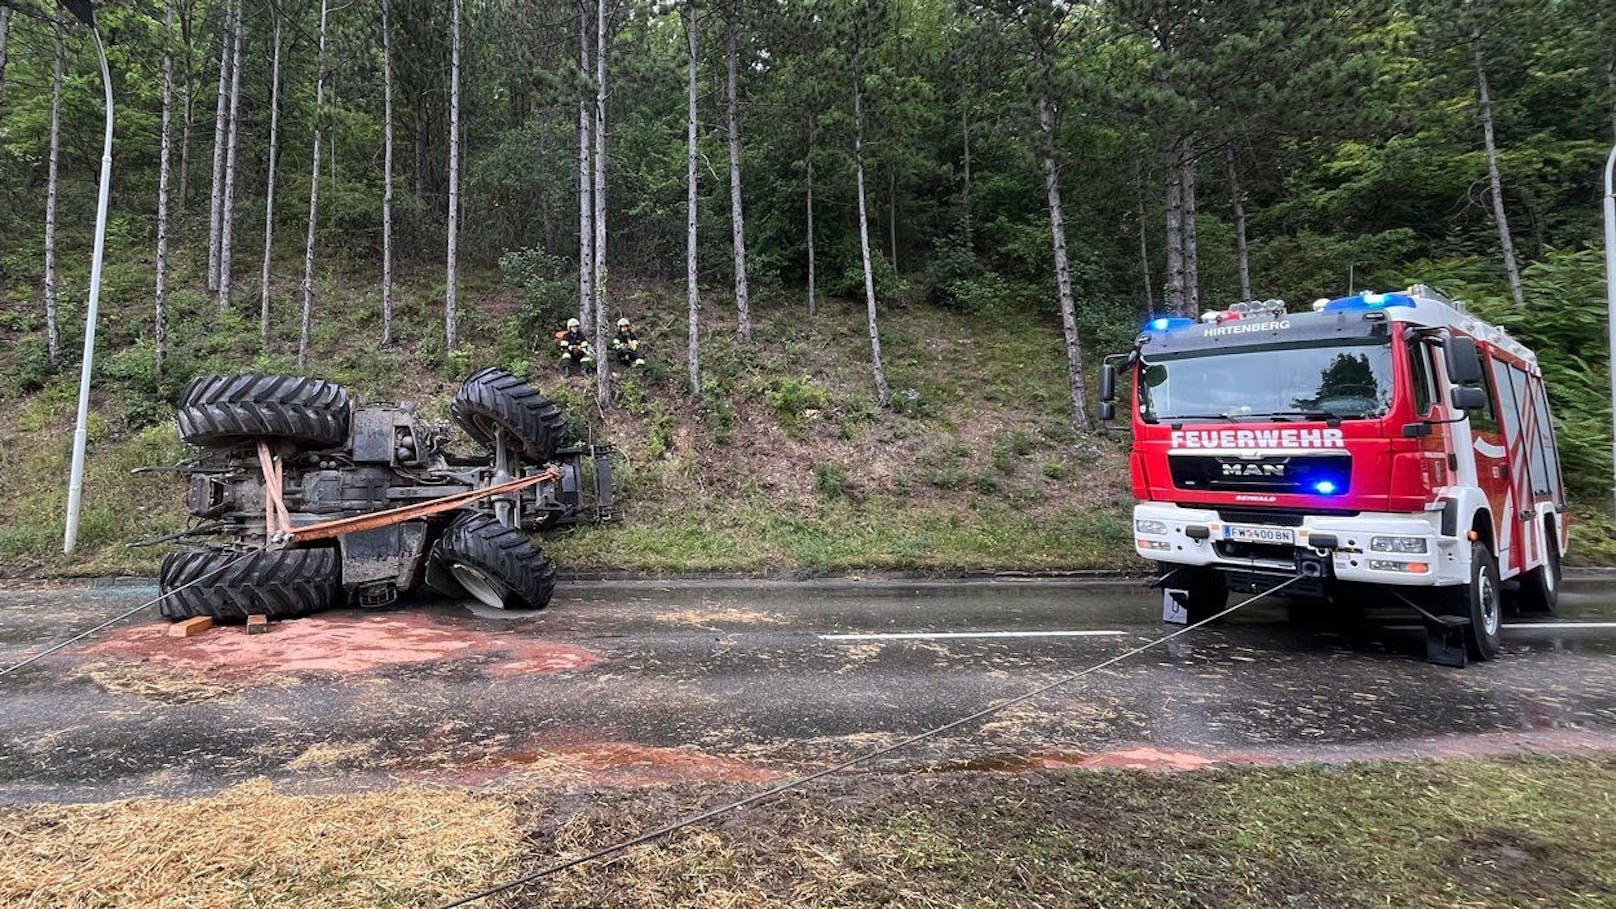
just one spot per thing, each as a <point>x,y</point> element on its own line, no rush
<point>574,349</point>
<point>626,344</point>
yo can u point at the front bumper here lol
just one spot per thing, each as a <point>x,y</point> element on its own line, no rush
<point>1201,537</point>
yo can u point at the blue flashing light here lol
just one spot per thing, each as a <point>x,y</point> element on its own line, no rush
<point>1324,487</point>
<point>1166,323</point>
<point>1368,301</point>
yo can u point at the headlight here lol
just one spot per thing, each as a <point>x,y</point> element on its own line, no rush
<point>1397,544</point>
<point>1155,527</point>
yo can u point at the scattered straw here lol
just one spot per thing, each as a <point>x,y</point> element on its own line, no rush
<point>251,847</point>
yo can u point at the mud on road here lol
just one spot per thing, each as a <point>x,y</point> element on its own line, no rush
<point>627,683</point>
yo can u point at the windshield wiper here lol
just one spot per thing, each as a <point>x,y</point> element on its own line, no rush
<point>1287,415</point>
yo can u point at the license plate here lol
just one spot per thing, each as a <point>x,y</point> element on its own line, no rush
<point>1242,533</point>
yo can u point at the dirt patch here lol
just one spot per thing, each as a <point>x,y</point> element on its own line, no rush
<point>342,645</point>
<point>706,618</point>
<point>253,847</point>
<point>617,764</point>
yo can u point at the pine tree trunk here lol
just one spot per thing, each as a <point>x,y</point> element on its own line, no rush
<point>166,143</point>
<point>965,189</point>
<point>188,122</point>
<point>743,297</point>
<point>813,291</point>
<point>603,373</point>
<point>1063,272</point>
<point>5,35</point>
<point>53,335</point>
<point>1506,243</point>
<point>692,291</point>
<point>892,217</point>
<point>387,173</point>
<point>314,197</point>
<point>586,180</point>
<point>1174,242</point>
<point>1192,246</point>
<point>882,391</point>
<point>452,279</point>
<point>227,214</point>
<point>1237,199</point>
<point>220,125</point>
<point>1144,264</point>
<point>1610,80</point>
<point>269,184</point>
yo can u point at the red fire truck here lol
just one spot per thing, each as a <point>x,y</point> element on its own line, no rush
<point>1388,442</point>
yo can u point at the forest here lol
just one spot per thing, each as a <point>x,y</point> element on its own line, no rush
<point>388,190</point>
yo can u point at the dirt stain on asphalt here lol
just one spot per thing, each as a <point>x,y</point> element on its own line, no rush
<point>341,645</point>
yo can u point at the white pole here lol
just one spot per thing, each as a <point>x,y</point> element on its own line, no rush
<point>1610,290</point>
<point>75,484</point>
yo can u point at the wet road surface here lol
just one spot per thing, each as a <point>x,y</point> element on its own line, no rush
<point>645,681</point>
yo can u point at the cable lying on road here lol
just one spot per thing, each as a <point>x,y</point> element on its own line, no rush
<point>121,616</point>
<point>781,788</point>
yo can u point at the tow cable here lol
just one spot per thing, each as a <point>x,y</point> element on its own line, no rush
<point>782,788</point>
<point>123,615</point>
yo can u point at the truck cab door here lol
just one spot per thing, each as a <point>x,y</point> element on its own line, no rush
<point>1491,453</point>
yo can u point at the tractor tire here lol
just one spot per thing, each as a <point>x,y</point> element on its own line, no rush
<point>225,411</point>
<point>477,556</point>
<point>493,399</point>
<point>229,586</point>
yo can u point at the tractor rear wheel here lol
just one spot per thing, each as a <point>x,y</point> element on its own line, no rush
<point>229,586</point>
<point>494,401</point>
<point>223,411</point>
<point>499,566</point>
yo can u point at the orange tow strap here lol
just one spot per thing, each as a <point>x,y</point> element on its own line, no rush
<point>327,529</point>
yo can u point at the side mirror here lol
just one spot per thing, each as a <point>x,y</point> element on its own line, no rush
<point>1108,411</point>
<point>1464,363</point>
<point>1468,398</point>
<point>1108,383</point>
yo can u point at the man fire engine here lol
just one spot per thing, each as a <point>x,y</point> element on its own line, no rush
<point>1392,442</point>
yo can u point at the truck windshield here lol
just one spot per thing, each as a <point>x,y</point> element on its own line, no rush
<point>1321,381</point>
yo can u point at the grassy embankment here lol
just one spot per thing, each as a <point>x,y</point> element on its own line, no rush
<point>785,463</point>
<point>1470,833</point>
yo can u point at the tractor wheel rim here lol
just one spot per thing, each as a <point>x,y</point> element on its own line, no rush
<point>481,587</point>
<point>1488,597</point>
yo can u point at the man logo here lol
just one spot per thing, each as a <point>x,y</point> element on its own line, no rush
<point>1253,470</point>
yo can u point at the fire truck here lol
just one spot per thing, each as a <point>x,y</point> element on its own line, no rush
<point>1388,448</point>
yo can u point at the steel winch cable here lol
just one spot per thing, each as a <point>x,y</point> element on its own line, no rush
<point>123,615</point>
<point>798,782</point>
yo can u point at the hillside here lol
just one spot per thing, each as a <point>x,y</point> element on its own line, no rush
<point>786,463</point>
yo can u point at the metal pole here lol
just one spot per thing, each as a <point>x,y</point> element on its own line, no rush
<point>1610,293</point>
<point>75,484</point>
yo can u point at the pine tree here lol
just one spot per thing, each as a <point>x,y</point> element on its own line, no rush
<point>53,334</point>
<point>743,296</point>
<point>307,329</point>
<point>227,212</point>
<point>160,291</point>
<point>692,292</point>
<point>387,171</point>
<point>451,316</point>
<point>269,183</point>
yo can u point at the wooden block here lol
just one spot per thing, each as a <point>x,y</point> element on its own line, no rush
<point>257,624</point>
<point>190,627</point>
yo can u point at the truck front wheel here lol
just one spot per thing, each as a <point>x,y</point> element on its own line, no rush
<point>1482,601</point>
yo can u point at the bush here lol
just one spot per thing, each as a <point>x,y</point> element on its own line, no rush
<point>830,479</point>
<point>794,400</point>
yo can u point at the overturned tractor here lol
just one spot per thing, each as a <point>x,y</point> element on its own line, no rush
<point>313,500</point>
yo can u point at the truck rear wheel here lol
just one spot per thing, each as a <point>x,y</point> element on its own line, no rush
<point>493,400</point>
<point>499,566</point>
<point>229,586</point>
<point>1540,589</point>
<point>224,411</point>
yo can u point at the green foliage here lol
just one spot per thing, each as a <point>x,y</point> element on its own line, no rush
<point>794,399</point>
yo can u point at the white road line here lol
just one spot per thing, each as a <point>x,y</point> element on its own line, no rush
<point>934,635</point>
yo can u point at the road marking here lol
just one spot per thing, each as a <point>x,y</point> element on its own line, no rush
<point>934,635</point>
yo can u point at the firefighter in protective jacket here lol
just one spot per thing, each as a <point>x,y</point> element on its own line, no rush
<point>626,344</point>
<point>575,350</point>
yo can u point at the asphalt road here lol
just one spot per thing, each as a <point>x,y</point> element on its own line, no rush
<point>634,682</point>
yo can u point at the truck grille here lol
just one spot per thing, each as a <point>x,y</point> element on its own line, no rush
<point>1301,474</point>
